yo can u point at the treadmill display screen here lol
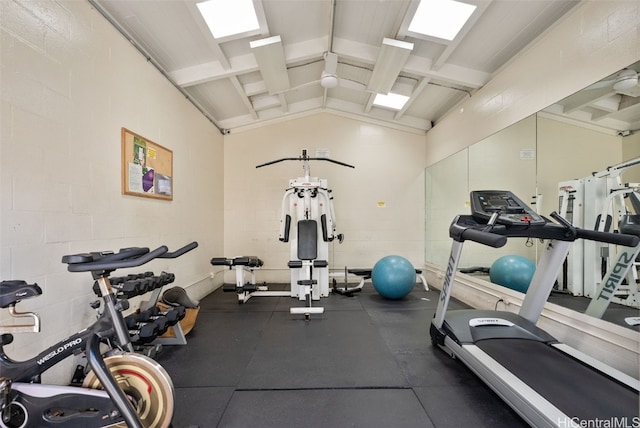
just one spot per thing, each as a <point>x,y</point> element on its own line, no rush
<point>511,210</point>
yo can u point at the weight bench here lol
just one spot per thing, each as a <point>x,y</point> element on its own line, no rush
<point>245,289</point>
<point>364,275</point>
<point>307,260</point>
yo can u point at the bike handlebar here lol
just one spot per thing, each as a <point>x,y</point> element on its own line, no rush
<point>126,253</point>
<point>179,251</point>
<point>108,263</point>
<point>125,258</point>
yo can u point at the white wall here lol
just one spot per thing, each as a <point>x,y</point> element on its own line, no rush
<point>568,152</point>
<point>595,40</point>
<point>631,150</point>
<point>69,83</point>
<point>389,168</point>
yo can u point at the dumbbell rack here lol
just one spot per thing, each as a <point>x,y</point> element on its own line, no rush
<point>137,285</point>
<point>179,336</point>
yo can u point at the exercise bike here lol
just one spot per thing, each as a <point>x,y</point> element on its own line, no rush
<point>122,389</point>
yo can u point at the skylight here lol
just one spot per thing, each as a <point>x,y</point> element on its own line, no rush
<point>441,18</point>
<point>391,100</point>
<point>229,17</point>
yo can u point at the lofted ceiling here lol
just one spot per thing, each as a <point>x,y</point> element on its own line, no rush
<point>611,104</point>
<point>224,79</point>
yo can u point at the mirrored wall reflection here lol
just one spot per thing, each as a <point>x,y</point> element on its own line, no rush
<point>585,133</point>
<point>504,161</point>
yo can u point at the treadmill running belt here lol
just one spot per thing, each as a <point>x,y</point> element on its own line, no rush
<point>573,387</point>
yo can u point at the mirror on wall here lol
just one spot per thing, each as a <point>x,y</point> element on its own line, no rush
<point>505,160</point>
<point>587,132</point>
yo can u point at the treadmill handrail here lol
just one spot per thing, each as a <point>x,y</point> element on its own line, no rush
<point>466,227</point>
<point>626,240</point>
<point>610,238</point>
<point>486,238</point>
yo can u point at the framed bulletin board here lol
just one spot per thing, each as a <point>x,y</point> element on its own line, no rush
<point>147,167</point>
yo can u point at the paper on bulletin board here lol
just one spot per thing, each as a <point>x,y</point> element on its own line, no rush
<point>135,178</point>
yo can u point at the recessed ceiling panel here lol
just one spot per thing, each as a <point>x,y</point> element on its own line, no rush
<point>220,98</point>
<point>165,28</point>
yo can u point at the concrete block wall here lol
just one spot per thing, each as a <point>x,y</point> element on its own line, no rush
<point>69,83</point>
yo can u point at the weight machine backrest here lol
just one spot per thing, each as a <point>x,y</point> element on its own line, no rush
<point>307,239</point>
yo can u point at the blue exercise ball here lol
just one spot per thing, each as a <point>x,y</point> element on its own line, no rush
<point>512,271</point>
<point>393,277</point>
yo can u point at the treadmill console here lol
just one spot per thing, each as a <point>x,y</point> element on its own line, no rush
<point>511,210</point>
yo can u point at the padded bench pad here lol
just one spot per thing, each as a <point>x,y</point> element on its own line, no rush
<point>249,261</point>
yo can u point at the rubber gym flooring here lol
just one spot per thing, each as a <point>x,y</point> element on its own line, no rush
<point>365,362</point>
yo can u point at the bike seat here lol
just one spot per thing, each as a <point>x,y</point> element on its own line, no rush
<point>11,292</point>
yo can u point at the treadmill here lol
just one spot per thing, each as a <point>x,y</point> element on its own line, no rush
<point>548,383</point>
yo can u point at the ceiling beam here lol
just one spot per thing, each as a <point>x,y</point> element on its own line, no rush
<point>206,34</point>
<point>264,102</point>
<point>214,70</point>
<point>254,88</point>
<point>206,72</point>
<point>423,84</point>
<point>269,54</point>
<point>625,104</point>
<point>584,98</point>
<point>392,56</point>
<point>450,73</point>
<point>243,96</point>
<point>315,48</point>
<point>419,66</point>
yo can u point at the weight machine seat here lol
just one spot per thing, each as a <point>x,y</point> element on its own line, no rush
<point>248,261</point>
<point>11,292</point>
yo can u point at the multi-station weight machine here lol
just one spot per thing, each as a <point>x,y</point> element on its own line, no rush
<point>308,224</point>
<point>604,202</point>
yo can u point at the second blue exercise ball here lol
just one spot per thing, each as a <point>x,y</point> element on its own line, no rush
<point>393,277</point>
<point>512,271</point>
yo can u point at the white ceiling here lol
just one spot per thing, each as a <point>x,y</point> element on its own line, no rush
<point>222,77</point>
<point>604,106</point>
